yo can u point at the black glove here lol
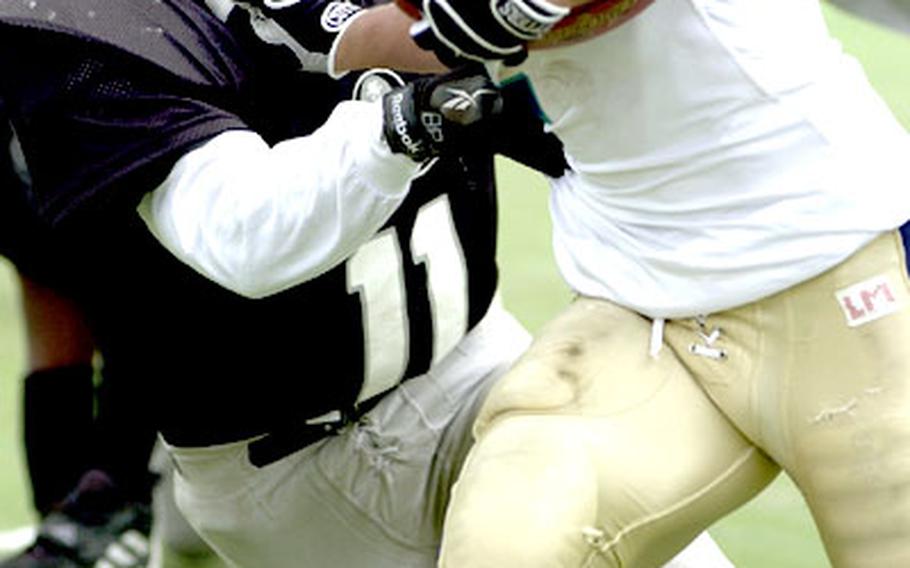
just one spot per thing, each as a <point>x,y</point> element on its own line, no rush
<point>483,30</point>
<point>306,29</point>
<point>443,113</point>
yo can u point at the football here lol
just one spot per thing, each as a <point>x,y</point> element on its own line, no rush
<point>591,19</point>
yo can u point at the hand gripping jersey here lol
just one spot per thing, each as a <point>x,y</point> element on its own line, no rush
<point>226,367</point>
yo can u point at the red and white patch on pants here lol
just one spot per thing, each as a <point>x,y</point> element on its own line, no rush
<point>868,301</point>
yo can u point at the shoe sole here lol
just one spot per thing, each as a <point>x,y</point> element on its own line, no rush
<point>14,540</point>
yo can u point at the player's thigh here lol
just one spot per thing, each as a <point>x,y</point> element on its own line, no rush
<point>292,512</point>
<point>851,400</point>
<point>592,452</point>
<point>817,376</point>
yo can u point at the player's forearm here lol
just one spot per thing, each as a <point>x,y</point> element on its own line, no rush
<point>258,220</point>
<point>379,38</point>
<point>330,37</point>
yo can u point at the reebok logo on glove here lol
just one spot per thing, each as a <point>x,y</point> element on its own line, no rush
<point>462,106</point>
<point>439,114</point>
<point>395,103</point>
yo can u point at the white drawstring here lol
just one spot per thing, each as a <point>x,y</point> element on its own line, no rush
<point>657,337</point>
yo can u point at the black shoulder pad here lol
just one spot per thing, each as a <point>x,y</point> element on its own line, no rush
<point>177,35</point>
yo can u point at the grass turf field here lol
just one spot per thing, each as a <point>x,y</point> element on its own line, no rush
<point>775,530</point>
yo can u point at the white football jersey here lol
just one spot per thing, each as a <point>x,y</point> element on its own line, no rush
<point>723,150</point>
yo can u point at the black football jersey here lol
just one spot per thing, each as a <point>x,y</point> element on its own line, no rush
<point>218,366</point>
<point>11,194</point>
<point>105,96</point>
<point>24,239</point>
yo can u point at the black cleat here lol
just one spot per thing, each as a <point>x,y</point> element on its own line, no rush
<point>94,528</point>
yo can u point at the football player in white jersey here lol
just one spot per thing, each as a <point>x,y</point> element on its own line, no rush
<point>734,227</point>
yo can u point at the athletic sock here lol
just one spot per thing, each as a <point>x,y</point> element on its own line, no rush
<point>58,418</point>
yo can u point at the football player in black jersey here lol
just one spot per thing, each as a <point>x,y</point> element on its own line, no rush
<point>344,462</point>
<point>323,424</point>
<point>76,437</point>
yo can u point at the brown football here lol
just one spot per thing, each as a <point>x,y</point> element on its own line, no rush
<point>591,19</point>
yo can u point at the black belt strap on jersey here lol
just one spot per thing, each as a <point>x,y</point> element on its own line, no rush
<point>284,441</point>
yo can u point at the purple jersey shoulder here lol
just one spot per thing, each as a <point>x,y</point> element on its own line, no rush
<point>112,93</point>
<point>178,36</point>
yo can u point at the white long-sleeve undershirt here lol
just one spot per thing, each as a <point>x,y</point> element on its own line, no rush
<point>258,219</point>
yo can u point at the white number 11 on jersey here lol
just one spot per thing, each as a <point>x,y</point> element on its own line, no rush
<point>375,272</point>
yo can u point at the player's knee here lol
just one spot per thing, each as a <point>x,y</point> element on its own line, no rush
<point>521,545</point>
<point>514,553</point>
<point>524,498</point>
<point>539,385</point>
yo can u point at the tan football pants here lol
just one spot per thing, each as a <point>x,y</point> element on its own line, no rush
<point>594,451</point>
